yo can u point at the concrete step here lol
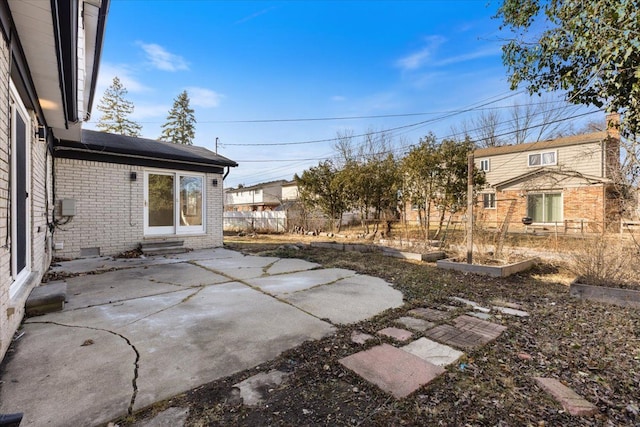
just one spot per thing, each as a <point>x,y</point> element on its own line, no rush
<point>161,243</point>
<point>46,298</point>
<point>164,250</point>
<point>163,247</point>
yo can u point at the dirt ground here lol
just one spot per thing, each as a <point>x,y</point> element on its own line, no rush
<point>592,348</point>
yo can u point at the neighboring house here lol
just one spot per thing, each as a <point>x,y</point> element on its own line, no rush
<point>115,192</point>
<point>566,182</point>
<point>290,192</point>
<point>49,55</point>
<point>260,197</point>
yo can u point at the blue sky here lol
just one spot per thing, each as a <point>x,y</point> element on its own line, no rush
<point>254,68</point>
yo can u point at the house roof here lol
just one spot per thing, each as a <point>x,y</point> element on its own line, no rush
<point>549,171</point>
<point>111,148</point>
<point>542,145</point>
<point>56,56</point>
<point>280,182</point>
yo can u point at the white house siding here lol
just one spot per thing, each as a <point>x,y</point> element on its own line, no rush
<point>109,209</point>
<point>583,158</point>
<point>12,309</point>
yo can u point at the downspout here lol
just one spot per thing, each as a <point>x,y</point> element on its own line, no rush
<point>226,174</point>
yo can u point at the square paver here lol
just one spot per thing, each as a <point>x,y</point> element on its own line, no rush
<point>433,352</point>
<point>395,371</point>
<point>450,335</point>
<point>415,324</point>
<point>572,402</point>
<point>396,333</point>
<point>430,314</point>
<point>489,330</point>
<point>360,337</point>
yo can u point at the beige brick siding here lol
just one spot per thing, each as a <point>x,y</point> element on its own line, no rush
<point>7,323</point>
<point>109,209</point>
<point>12,310</point>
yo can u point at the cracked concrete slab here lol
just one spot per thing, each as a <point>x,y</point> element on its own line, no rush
<point>120,285</point>
<point>58,381</point>
<point>241,268</point>
<point>283,284</point>
<point>162,339</point>
<point>291,265</point>
<point>222,330</point>
<point>89,265</point>
<point>342,302</point>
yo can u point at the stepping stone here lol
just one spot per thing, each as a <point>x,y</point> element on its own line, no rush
<point>395,371</point>
<point>253,390</point>
<point>46,298</point>
<point>415,324</point>
<point>450,335</point>
<point>511,311</point>
<point>396,333</point>
<point>482,316</point>
<point>503,303</point>
<point>360,337</point>
<point>572,402</point>
<point>429,314</point>
<point>171,417</point>
<point>475,305</point>
<point>433,352</point>
<point>489,330</point>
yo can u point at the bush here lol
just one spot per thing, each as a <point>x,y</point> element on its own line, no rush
<point>605,261</point>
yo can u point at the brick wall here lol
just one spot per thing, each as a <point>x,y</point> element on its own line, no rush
<point>7,327</point>
<point>109,209</point>
<point>584,203</point>
<point>12,309</point>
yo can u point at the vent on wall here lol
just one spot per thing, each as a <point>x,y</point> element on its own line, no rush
<point>89,252</point>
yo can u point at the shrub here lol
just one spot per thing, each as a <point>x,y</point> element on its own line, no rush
<point>606,260</point>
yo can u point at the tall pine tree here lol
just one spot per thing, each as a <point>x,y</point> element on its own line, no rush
<point>180,125</point>
<point>116,110</point>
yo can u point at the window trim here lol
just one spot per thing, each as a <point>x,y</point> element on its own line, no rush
<point>544,194</point>
<point>176,229</point>
<point>482,163</point>
<point>492,201</point>
<point>541,154</point>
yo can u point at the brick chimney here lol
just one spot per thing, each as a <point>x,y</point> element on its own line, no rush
<point>613,125</point>
<point>612,146</point>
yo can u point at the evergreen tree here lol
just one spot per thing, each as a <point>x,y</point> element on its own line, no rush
<point>180,125</point>
<point>116,110</point>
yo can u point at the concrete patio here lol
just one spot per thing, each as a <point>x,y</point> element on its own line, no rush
<point>143,330</point>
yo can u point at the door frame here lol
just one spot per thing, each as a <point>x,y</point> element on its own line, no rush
<point>17,107</point>
<point>176,228</point>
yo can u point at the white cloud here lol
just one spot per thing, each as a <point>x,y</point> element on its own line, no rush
<point>338,98</point>
<point>123,72</point>
<point>162,59</point>
<point>202,97</point>
<point>420,57</point>
<point>149,111</point>
<point>481,53</point>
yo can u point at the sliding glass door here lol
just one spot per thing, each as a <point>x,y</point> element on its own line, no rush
<point>174,203</point>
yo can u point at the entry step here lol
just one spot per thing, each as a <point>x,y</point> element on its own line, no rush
<point>46,298</point>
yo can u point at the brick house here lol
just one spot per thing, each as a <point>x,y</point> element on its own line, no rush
<point>121,191</point>
<point>49,55</point>
<point>565,183</point>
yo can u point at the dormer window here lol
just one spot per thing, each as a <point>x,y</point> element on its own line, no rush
<point>543,159</point>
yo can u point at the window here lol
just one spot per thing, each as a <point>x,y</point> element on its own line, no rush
<point>484,165</point>
<point>174,203</point>
<point>489,200</point>
<point>545,207</point>
<point>543,159</point>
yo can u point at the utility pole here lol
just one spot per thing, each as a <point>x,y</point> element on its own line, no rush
<point>216,145</point>
<point>470,208</point>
